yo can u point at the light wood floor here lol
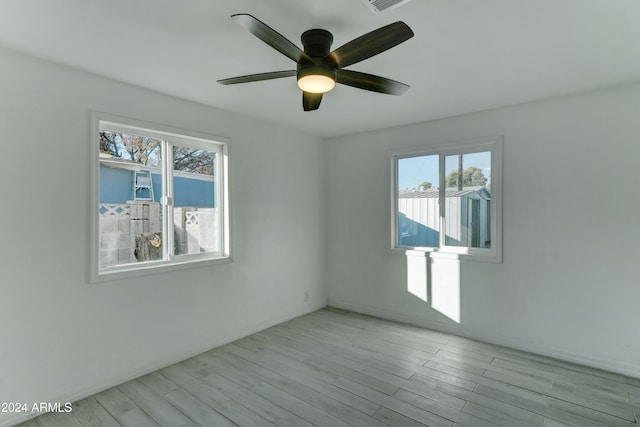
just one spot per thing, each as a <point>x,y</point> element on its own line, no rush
<point>333,368</point>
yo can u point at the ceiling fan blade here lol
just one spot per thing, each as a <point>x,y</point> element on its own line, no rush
<point>311,101</point>
<point>370,82</point>
<point>271,37</point>
<point>370,44</point>
<point>257,77</point>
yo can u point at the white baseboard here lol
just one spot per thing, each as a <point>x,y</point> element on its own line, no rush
<point>147,366</point>
<point>471,332</point>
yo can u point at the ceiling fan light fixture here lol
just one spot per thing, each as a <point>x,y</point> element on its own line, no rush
<point>316,79</point>
<point>316,83</point>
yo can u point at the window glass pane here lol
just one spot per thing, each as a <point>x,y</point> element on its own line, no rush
<point>130,217</point>
<point>467,209</point>
<point>417,192</point>
<point>196,221</point>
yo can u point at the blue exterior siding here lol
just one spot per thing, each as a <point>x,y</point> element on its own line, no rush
<point>191,192</point>
<point>116,186</point>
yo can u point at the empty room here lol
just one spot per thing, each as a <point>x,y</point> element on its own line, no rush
<point>303,213</point>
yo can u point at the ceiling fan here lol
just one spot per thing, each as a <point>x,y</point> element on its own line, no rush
<point>318,69</point>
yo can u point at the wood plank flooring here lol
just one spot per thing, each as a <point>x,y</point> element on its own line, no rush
<point>335,368</point>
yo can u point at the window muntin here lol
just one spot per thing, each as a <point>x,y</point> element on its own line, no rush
<point>161,199</point>
<point>447,198</point>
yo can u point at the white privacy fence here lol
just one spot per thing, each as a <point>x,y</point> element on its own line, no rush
<point>120,225</point>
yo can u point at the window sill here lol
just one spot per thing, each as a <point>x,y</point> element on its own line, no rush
<point>444,254</point>
<point>148,268</point>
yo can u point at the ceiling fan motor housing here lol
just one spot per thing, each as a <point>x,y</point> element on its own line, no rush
<point>317,43</point>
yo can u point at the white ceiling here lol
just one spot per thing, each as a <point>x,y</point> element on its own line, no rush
<point>467,55</point>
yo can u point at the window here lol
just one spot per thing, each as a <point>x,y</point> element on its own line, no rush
<point>448,198</point>
<point>160,199</point>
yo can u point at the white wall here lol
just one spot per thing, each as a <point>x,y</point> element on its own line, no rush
<point>569,283</point>
<point>62,338</point>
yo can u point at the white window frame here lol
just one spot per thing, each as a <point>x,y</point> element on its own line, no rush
<point>174,136</point>
<point>493,145</point>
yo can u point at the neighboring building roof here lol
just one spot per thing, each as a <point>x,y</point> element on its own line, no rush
<point>114,162</point>
<point>118,162</point>
<point>449,192</point>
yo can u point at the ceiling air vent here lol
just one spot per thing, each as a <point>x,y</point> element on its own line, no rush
<point>378,6</point>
